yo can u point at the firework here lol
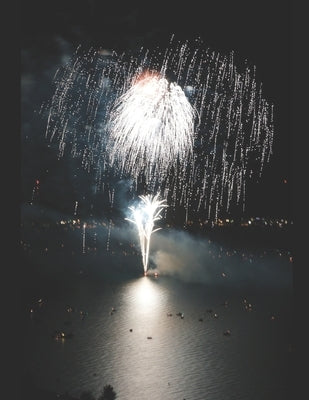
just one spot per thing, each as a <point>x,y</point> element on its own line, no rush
<point>35,190</point>
<point>151,128</point>
<point>110,224</point>
<point>84,239</point>
<point>75,208</point>
<point>184,122</point>
<point>144,217</point>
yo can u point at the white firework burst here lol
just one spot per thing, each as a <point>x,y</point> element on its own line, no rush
<point>151,127</point>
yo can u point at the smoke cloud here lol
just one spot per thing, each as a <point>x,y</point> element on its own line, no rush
<point>173,253</point>
<point>195,259</point>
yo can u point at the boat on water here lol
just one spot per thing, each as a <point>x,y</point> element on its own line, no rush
<point>58,335</point>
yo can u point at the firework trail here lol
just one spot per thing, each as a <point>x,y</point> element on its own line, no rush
<point>35,190</point>
<point>75,208</point>
<point>109,234</point>
<point>144,217</point>
<point>84,238</point>
<point>184,122</point>
<point>95,241</point>
<point>110,224</point>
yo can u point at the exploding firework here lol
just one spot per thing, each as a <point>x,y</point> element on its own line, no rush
<point>151,128</point>
<point>184,122</point>
<point>144,217</point>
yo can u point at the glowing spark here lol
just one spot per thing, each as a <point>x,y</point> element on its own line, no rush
<point>144,217</point>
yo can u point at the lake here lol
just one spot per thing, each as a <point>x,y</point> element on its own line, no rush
<point>127,334</point>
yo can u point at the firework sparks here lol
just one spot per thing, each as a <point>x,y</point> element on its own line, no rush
<point>111,202</point>
<point>152,128</point>
<point>84,239</point>
<point>75,208</point>
<point>35,191</point>
<point>144,217</point>
<point>184,122</point>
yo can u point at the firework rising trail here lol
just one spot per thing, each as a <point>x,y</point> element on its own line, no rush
<point>144,217</point>
<point>184,121</point>
<point>35,190</point>
<point>75,208</point>
<point>84,239</point>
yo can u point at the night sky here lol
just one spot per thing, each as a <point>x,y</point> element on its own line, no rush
<point>259,32</point>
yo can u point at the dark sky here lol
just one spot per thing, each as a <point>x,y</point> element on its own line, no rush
<point>259,32</point>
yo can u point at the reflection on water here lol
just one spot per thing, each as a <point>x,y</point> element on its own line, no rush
<point>144,294</point>
<point>185,358</point>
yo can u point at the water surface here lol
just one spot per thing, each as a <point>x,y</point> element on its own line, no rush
<point>187,357</point>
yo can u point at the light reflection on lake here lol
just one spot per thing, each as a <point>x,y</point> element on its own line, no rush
<point>185,358</point>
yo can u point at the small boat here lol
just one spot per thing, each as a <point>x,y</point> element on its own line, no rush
<point>62,335</point>
<point>227,332</point>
